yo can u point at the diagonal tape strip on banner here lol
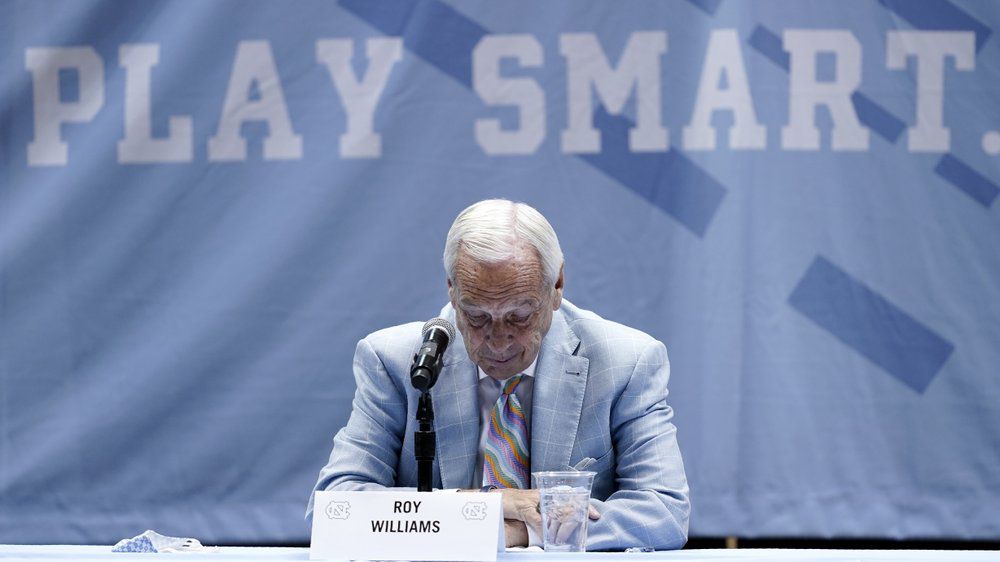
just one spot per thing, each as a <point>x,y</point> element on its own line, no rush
<point>962,176</point>
<point>707,6</point>
<point>430,29</point>
<point>871,325</point>
<point>671,181</point>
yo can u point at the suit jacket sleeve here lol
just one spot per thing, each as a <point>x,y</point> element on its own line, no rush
<point>365,452</point>
<point>650,506</point>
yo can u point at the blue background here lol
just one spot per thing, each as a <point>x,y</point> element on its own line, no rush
<point>176,339</point>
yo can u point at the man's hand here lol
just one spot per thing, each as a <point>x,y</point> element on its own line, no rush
<point>515,532</point>
<point>523,505</point>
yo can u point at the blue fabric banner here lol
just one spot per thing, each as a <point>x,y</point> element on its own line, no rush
<point>204,205</point>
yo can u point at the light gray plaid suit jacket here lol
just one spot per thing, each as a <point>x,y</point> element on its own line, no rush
<point>600,392</point>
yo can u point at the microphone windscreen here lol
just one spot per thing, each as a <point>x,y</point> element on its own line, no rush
<point>440,323</point>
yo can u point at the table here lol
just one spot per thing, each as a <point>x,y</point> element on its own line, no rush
<point>268,554</point>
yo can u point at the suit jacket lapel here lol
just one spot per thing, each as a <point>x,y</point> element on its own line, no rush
<point>456,413</point>
<point>557,398</point>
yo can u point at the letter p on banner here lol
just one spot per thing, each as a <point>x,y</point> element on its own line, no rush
<point>48,148</point>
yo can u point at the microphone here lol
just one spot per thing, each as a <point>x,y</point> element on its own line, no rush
<point>437,332</point>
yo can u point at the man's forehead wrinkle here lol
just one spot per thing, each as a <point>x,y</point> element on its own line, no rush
<point>514,276</point>
<point>516,295</point>
<point>517,284</point>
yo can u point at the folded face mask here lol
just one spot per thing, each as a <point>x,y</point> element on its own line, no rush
<point>151,541</point>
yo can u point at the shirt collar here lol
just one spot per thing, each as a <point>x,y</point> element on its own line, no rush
<point>530,371</point>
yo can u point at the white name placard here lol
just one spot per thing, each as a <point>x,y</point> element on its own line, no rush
<point>393,525</point>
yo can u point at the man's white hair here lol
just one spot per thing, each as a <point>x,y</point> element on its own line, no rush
<point>494,230</point>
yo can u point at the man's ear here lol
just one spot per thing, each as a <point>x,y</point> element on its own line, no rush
<point>451,292</point>
<point>557,300</point>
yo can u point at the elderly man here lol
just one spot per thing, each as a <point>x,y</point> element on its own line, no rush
<point>563,387</point>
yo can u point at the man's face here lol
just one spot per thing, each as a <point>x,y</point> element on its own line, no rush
<point>503,311</point>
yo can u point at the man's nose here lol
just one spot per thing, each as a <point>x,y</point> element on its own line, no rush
<point>499,336</point>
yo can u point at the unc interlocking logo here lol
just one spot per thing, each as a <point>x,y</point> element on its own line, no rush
<point>474,511</point>
<point>338,510</point>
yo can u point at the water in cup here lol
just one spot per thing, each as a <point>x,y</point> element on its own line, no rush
<point>564,518</point>
<point>564,505</point>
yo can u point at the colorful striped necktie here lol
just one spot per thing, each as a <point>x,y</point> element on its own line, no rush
<point>506,452</point>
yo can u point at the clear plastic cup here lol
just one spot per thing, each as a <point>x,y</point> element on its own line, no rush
<point>565,502</point>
